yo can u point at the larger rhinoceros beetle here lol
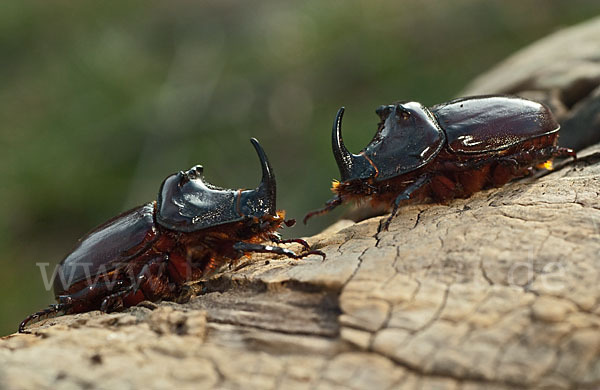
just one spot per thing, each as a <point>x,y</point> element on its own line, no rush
<point>151,251</point>
<point>450,150</point>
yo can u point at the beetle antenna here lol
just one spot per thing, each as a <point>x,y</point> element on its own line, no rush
<point>268,183</point>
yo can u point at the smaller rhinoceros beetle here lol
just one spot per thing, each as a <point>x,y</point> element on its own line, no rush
<point>151,251</point>
<point>450,150</point>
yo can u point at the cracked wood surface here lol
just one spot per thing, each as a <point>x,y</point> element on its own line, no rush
<point>496,291</point>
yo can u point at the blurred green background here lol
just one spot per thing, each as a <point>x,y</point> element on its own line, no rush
<point>99,101</point>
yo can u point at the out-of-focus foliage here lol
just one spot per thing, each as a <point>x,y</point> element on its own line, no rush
<point>99,101</point>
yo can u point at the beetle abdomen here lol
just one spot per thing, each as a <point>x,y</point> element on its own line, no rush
<point>491,123</point>
<point>105,247</point>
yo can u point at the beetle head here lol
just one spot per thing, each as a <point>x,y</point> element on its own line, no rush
<point>398,110</point>
<point>352,166</point>
<point>187,203</point>
<point>407,138</point>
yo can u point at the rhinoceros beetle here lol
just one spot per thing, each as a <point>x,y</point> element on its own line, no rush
<point>151,251</point>
<point>449,150</point>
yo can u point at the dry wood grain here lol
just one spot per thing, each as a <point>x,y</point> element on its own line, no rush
<point>497,290</point>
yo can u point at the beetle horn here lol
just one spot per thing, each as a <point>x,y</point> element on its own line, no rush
<point>267,190</point>
<point>352,166</point>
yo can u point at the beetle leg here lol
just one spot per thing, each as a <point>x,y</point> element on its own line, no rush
<point>249,247</point>
<point>330,205</point>
<point>42,314</point>
<point>276,238</point>
<point>562,152</point>
<point>162,277</point>
<point>507,169</point>
<point>147,271</point>
<point>113,301</point>
<point>405,195</point>
<point>510,162</point>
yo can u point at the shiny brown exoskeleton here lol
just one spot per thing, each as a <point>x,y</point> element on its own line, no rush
<point>150,252</point>
<point>450,150</point>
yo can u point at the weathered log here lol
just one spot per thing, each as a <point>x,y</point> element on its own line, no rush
<point>497,290</point>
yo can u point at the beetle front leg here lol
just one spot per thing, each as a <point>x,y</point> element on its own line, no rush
<point>329,205</point>
<point>115,301</point>
<point>42,314</point>
<point>245,247</point>
<point>565,152</point>
<point>405,195</point>
<point>276,238</point>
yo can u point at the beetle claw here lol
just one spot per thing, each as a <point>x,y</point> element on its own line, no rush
<point>250,247</point>
<point>384,225</point>
<point>40,315</point>
<point>300,241</point>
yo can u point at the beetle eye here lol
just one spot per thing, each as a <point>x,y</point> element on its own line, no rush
<point>402,112</point>
<point>195,172</point>
<point>183,178</point>
<point>383,111</point>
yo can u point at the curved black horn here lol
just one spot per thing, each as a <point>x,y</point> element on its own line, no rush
<point>349,164</point>
<point>342,156</point>
<point>268,185</point>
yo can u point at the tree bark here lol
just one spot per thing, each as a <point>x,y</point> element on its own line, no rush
<point>498,290</point>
